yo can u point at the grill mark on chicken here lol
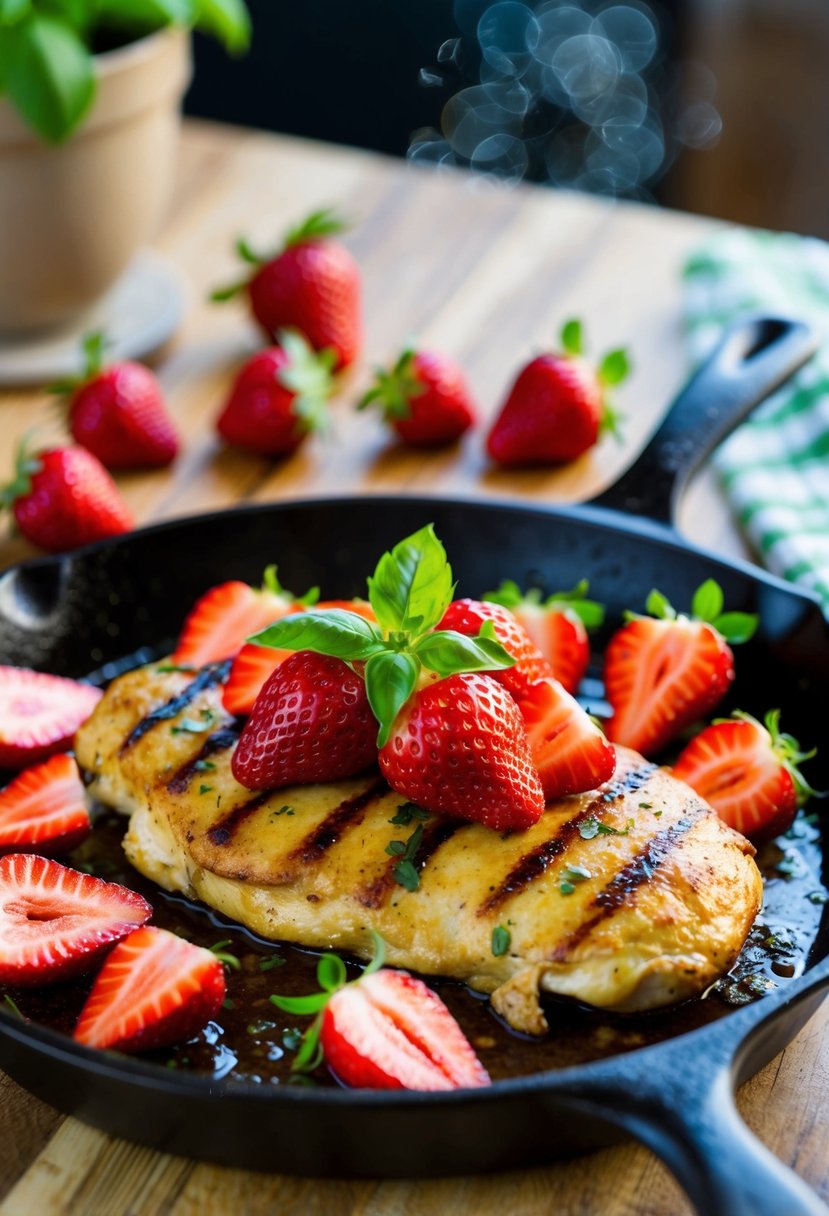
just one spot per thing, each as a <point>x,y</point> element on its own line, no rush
<point>208,677</point>
<point>435,834</point>
<point>219,741</point>
<point>222,832</point>
<point>640,869</point>
<point>532,865</point>
<point>325,834</point>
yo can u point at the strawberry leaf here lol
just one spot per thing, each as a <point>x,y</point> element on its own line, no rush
<point>707,603</point>
<point>412,586</point>
<point>332,631</point>
<point>659,606</point>
<point>614,367</point>
<point>390,677</point>
<point>571,338</point>
<point>447,653</point>
<point>736,627</point>
<point>317,226</point>
<point>301,1004</point>
<point>331,973</point>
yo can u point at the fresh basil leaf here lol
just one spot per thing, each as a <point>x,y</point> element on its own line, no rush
<point>412,587</point>
<point>736,627</point>
<point>571,338</point>
<point>707,603</point>
<point>301,1004</point>
<point>226,20</point>
<point>12,11</point>
<point>447,652</point>
<point>51,77</point>
<point>331,973</point>
<point>390,678</point>
<point>614,367</point>
<point>332,631</point>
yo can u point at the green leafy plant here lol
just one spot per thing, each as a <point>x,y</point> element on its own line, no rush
<point>47,48</point>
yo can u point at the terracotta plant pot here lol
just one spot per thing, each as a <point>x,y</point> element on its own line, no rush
<point>71,217</point>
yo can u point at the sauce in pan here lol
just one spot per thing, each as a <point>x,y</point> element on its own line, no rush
<point>254,1041</point>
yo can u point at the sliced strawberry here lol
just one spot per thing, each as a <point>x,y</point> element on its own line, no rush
<point>666,671</point>
<point>253,664</point>
<point>748,773</point>
<point>557,625</point>
<point>389,1031</point>
<point>469,616</point>
<point>44,809</point>
<point>39,714</point>
<point>311,722</point>
<point>223,619</point>
<point>155,989</point>
<point>567,747</point>
<point>459,747</point>
<point>56,922</point>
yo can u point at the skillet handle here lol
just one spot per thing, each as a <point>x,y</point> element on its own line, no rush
<point>753,358</point>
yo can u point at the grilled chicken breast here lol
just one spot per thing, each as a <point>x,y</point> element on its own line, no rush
<point>630,897</point>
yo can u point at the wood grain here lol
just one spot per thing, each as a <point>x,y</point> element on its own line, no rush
<point>488,275</point>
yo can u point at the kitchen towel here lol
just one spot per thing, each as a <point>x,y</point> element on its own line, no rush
<point>775,467</point>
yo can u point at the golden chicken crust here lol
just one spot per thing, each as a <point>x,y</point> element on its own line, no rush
<point>629,897</point>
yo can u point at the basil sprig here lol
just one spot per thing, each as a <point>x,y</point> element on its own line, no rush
<point>331,976</point>
<point>409,592</point>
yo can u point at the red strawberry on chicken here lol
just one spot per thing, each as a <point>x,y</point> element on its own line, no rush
<point>748,773</point>
<point>424,398</point>
<point>278,398</point>
<point>311,284</point>
<point>568,749</point>
<point>154,990</point>
<point>384,1030</point>
<point>39,714</point>
<point>64,497</point>
<point>469,617</point>
<point>220,622</point>
<point>311,722</point>
<point>56,922</point>
<point>558,625</point>
<point>428,759</point>
<point>118,412</point>
<point>665,671</point>
<point>557,408</point>
<point>43,809</point>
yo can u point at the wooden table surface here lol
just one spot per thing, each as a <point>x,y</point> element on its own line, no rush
<point>488,275</point>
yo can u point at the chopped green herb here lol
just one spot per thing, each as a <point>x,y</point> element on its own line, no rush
<point>165,667</point>
<point>646,806</point>
<point>406,812</point>
<point>396,848</point>
<point>657,814</point>
<point>188,726</point>
<point>227,1003</point>
<point>406,875</point>
<point>204,766</point>
<point>205,789</point>
<point>501,939</point>
<point>283,810</point>
<point>224,956</point>
<point>273,960</point>
<point>405,872</point>
<point>566,888</point>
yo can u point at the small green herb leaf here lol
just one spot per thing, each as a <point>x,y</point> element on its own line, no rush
<point>331,973</point>
<point>448,652</point>
<point>614,367</point>
<point>736,627</point>
<point>571,337</point>
<point>301,1004</point>
<point>272,961</point>
<point>406,875</point>
<point>658,605</point>
<point>406,812</point>
<point>501,939</point>
<point>224,956</point>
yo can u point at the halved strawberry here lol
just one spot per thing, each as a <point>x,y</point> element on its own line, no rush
<point>389,1031</point>
<point>254,664</point>
<point>39,714</point>
<point>155,989</point>
<point>665,671</point>
<point>224,618</point>
<point>558,625</point>
<point>56,922</point>
<point>311,722</point>
<point>44,809</point>
<point>384,1030</point>
<point>748,773</point>
<point>469,616</point>
<point>568,748</point>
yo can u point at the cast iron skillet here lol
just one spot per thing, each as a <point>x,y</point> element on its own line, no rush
<point>80,613</point>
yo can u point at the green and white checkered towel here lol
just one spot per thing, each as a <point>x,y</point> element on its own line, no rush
<point>775,467</point>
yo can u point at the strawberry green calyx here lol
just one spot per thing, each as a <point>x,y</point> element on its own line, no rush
<point>93,347</point>
<point>787,751</point>
<point>409,592</point>
<point>612,370</point>
<point>271,584</point>
<point>590,613</point>
<point>331,976</point>
<point>26,465</point>
<point>309,374</point>
<point>707,606</point>
<point>394,390</point>
<point>316,227</point>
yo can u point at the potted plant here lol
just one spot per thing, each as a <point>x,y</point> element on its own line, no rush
<point>89,105</point>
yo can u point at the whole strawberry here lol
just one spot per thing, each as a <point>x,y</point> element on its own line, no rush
<point>424,398</point>
<point>311,722</point>
<point>118,412</point>
<point>312,284</point>
<point>63,497</point>
<point>556,409</point>
<point>278,397</point>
